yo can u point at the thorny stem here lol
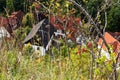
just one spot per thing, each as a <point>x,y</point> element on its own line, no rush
<point>105,26</point>
<point>97,29</point>
<point>43,6</point>
<point>92,22</point>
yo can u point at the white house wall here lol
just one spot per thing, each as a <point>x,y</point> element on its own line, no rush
<point>104,53</point>
<point>4,32</point>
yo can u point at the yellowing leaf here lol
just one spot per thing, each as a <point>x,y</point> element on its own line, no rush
<point>51,0</point>
<point>67,3</point>
<point>38,60</point>
<point>57,4</point>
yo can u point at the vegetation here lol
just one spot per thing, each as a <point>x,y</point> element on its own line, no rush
<point>67,61</point>
<point>27,64</point>
<point>113,18</point>
<point>2,5</point>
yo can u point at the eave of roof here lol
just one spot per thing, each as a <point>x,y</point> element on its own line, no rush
<point>33,31</point>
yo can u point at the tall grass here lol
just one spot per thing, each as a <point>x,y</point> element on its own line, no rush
<point>15,64</point>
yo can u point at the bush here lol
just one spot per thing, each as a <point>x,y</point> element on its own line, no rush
<point>114,19</point>
<point>28,49</point>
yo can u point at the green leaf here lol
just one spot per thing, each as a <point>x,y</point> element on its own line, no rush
<point>97,71</point>
<point>109,67</point>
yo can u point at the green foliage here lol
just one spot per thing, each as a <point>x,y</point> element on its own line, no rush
<point>105,67</point>
<point>21,4</point>
<point>2,5</point>
<point>55,51</point>
<point>66,63</point>
<point>10,5</point>
<point>11,58</point>
<point>93,6</point>
<point>28,20</point>
<point>114,19</point>
<point>60,7</point>
<point>101,60</point>
<point>28,49</point>
<point>27,24</point>
<point>17,65</point>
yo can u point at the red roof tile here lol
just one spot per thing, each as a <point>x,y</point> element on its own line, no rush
<point>116,35</point>
<point>110,41</point>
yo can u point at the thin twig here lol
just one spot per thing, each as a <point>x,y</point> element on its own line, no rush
<point>92,22</point>
<point>43,6</point>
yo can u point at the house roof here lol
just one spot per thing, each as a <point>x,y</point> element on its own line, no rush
<point>116,35</point>
<point>110,40</point>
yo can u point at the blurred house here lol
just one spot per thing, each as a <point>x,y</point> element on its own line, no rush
<point>116,35</point>
<point>4,32</point>
<point>11,22</point>
<point>41,34</point>
<point>110,40</point>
